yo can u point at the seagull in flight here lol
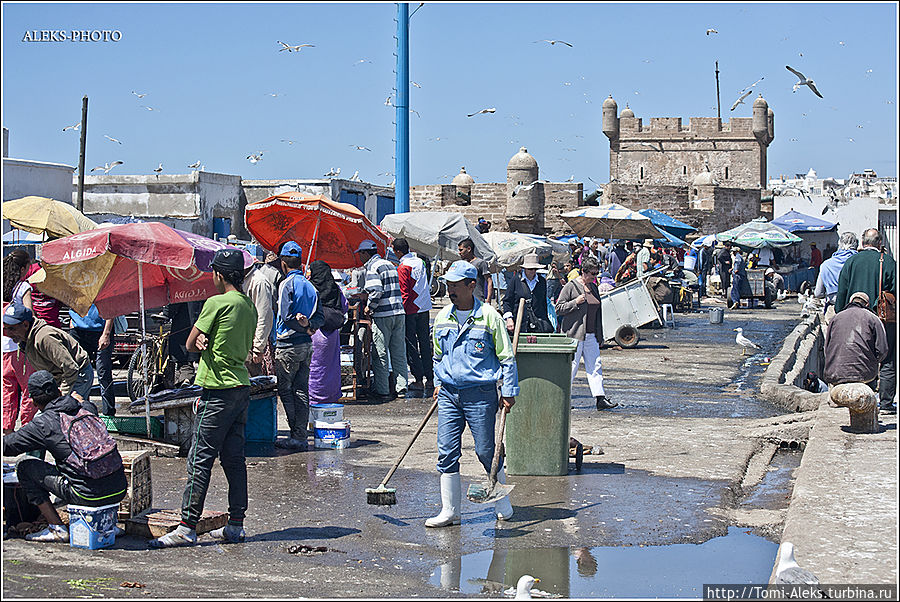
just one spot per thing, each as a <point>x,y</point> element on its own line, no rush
<point>740,100</point>
<point>359,62</point>
<point>289,142</point>
<point>73,127</point>
<point>112,139</point>
<point>387,102</point>
<point>415,84</point>
<point>711,30</point>
<point>527,187</point>
<point>254,159</point>
<point>139,95</point>
<point>416,112</point>
<point>753,84</point>
<point>491,110</point>
<point>361,148</point>
<point>743,341</point>
<point>108,166</point>
<point>158,170</point>
<point>803,81</point>
<point>554,42</point>
<point>148,108</point>
<point>296,48</point>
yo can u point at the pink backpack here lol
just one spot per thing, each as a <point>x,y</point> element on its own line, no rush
<point>94,452</point>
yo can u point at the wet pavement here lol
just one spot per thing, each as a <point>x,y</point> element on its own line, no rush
<point>648,509</point>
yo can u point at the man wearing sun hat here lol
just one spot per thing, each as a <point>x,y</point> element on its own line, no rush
<point>472,352</point>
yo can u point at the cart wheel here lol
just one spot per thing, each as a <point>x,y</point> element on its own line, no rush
<point>627,336</point>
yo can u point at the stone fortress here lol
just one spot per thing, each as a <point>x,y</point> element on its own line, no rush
<point>709,175</point>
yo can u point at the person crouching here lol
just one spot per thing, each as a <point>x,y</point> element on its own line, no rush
<point>65,480</point>
<point>471,352</point>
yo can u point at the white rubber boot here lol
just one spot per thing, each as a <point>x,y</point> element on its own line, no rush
<point>503,507</point>
<point>451,494</point>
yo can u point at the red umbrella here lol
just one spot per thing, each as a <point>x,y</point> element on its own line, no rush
<point>325,229</point>
<point>124,268</point>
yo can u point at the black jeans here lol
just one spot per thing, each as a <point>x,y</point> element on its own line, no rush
<point>39,479</point>
<point>218,431</point>
<point>102,360</point>
<point>419,352</point>
<point>887,375</point>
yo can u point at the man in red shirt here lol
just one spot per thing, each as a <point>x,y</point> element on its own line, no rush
<point>416,292</point>
<point>815,259</point>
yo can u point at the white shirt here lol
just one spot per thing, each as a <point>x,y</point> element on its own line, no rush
<point>766,256</point>
<point>18,293</point>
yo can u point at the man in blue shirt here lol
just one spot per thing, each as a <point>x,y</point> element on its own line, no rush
<point>830,270</point>
<point>94,334</point>
<point>299,316</point>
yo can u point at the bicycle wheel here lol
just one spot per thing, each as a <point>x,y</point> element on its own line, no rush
<point>135,379</point>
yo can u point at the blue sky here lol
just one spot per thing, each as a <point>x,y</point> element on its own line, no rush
<point>208,71</point>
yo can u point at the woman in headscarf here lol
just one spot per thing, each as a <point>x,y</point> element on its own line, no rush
<point>325,365</point>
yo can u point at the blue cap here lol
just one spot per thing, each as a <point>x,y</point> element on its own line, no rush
<point>16,313</point>
<point>291,249</point>
<point>367,245</point>
<point>460,270</point>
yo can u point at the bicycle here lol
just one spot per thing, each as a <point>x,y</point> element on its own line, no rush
<point>160,367</point>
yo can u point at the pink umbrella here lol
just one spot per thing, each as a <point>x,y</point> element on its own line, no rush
<point>127,267</point>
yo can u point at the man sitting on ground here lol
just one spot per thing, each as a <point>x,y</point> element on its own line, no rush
<point>65,480</point>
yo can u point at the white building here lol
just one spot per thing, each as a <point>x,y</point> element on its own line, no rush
<point>857,202</point>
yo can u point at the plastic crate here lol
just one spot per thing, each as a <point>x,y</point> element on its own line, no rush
<point>262,420</point>
<point>139,498</point>
<point>134,425</point>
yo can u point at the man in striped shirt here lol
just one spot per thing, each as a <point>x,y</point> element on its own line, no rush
<point>385,306</point>
<point>416,292</point>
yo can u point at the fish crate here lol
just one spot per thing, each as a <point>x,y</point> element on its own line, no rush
<point>157,523</point>
<point>134,425</point>
<point>139,498</point>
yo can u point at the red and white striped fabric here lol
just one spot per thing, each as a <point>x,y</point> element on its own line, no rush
<point>414,284</point>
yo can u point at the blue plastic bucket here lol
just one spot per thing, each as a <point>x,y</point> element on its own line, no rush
<point>92,528</point>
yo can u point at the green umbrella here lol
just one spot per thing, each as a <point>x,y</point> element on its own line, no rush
<point>759,233</point>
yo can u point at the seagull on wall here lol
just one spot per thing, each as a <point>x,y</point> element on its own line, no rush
<point>111,139</point>
<point>107,166</point>
<point>158,170</point>
<point>355,177</point>
<point>333,173</point>
<point>491,110</point>
<point>296,48</point>
<point>196,165</point>
<point>803,81</point>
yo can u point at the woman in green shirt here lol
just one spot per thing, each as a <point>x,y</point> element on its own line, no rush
<point>222,335</point>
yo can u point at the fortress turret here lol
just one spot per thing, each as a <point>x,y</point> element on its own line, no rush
<point>770,123</point>
<point>525,207</point>
<point>462,178</point>
<point>627,112</point>
<point>760,120</point>
<point>610,118</point>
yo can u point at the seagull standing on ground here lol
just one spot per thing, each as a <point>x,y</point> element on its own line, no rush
<point>523,587</point>
<point>803,81</point>
<point>788,572</point>
<point>108,166</point>
<point>491,110</point>
<point>743,341</point>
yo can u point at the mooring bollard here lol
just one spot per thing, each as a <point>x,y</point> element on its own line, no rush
<point>862,403</point>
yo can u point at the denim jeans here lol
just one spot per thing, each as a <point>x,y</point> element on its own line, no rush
<point>84,383</point>
<point>102,360</point>
<point>218,431</point>
<point>389,337</point>
<point>475,406</point>
<point>292,372</point>
<point>418,346</point>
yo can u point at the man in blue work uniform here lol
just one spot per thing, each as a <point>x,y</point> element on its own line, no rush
<point>471,352</point>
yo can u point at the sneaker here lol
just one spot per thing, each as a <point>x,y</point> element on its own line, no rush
<point>888,409</point>
<point>182,536</point>
<point>604,404</point>
<point>229,533</point>
<point>52,534</point>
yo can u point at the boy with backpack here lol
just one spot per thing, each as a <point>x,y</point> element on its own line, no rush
<point>88,470</point>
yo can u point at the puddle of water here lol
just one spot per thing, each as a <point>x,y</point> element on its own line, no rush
<point>774,490</point>
<point>672,571</point>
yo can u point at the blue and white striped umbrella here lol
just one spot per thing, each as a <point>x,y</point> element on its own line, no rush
<point>611,221</point>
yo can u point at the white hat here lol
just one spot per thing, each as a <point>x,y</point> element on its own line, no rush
<point>531,262</point>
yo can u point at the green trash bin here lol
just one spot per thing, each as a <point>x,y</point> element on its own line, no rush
<point>537,428</point>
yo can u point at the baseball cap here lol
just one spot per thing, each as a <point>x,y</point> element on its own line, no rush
<point>228,260</point>
<point>41,384</point>
<point>367,245</point>
<point>16,313</point>
<point>291,249</point>
<point>460,270</point>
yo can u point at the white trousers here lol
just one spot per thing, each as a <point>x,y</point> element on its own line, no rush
<point>589,349</point>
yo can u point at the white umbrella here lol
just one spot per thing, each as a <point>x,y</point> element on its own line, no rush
<point>611,221</point>
<point>512,247</point>
<point>437,233</point>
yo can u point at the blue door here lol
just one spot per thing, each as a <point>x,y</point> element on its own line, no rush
<point>221,227</point>
<point>357,199</point>
<point>385,207</point>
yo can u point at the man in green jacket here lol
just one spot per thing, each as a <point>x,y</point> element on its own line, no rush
<point>862,273</point>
